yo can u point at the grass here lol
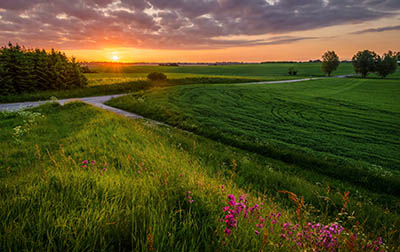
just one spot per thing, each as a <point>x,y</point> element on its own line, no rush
<point>118,80</point>
<point>267,71</point>
<point>325,128</point>
<point>325,118</point>
<point>51,201</point>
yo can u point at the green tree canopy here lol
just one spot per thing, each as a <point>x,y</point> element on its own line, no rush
<point>330,62</point>
<point>365,62</point>
<point>387,64</point>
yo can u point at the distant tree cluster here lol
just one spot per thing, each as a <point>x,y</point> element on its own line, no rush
<point>366,61</point>
<point>28,70</point>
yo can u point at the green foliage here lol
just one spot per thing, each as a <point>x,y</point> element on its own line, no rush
<point>292,71</point>
<point>330,62</point>
<point>107,183</point>
<point>387,64</point>
<point>23,70</point>
<point>364,62</point>
<point>156,77</point>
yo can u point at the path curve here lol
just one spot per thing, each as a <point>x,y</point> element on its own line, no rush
<point>98,101</point>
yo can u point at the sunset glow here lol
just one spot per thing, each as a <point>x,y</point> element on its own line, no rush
<point>200,30</point>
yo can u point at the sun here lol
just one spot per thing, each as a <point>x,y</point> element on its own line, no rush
<point>115,57</point>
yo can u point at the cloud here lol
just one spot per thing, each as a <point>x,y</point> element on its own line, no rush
<point>177,24</point>
<point>381,29</point>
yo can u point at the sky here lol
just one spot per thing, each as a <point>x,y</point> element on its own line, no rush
<point>202,30</point>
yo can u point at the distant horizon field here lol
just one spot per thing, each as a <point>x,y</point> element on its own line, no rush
<point>108,75</point>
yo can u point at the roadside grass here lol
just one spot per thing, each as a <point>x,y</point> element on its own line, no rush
<point>136,188</point>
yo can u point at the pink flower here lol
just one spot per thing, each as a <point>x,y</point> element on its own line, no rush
<point>84,162</point>
<point>257,233</point>
<point>227,231</point>
<point>84,166</point>
<point>93,162</point>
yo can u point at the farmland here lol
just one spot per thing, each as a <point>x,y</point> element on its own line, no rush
<point>104,182</point>
<point>266,72</point>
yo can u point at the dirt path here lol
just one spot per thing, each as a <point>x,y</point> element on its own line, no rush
<point>98,101</point>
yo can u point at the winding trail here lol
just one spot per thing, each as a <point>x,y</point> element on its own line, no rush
<point>98,101</point>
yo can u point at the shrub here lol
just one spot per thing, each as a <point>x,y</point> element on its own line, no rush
<point>292,71</point>
<point>156,77</point>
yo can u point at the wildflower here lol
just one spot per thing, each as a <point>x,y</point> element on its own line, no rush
<point>85,162</point>
<point>84,166</point>
<point>93,162</point>
<point>228,231</point>
<point>257,233</point>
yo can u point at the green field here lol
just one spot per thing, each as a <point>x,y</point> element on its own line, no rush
<point>355,120</point>
<point>272,71</point>
<point>151,187</point>
<point>118,80</point>
<point>77,178</point>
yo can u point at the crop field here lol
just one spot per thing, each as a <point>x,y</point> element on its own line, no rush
<point>270,71</point>
<point>109,183</point>
<point>352,119</point>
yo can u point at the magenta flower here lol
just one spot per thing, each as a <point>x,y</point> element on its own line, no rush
<point>84,162</point>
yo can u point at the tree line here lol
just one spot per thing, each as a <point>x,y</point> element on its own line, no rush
<point>28,70</point>
<point>364,62</point>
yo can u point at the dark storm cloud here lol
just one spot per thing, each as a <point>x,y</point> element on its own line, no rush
<point>177,23</point>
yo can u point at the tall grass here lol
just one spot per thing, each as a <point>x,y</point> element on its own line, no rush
<point>105,183</point>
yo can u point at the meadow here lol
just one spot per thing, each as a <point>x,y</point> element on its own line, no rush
<point>107,183</point>
<point>309,166</point>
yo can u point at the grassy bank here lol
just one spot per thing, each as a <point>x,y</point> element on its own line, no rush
<point>104,182</point>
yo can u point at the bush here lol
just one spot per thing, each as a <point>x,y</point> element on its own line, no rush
<point>292,71</point>
<point>23,70</point>
<point>156,77</point>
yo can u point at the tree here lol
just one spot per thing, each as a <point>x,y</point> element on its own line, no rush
<point>28,70</point>
<point>387,64</point>
<point>364,62</point>
<point>330,62</point>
